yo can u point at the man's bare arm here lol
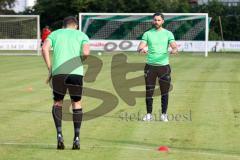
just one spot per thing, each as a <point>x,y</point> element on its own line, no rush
<point>46,54</point>
<point>85,51</point>
<point>141,47</point>
<point>174,47</point>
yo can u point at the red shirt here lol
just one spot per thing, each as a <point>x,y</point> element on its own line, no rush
<point>45,33</point>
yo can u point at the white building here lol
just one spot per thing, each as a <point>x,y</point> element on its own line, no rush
<point>225,2</point>
<point>21,5</point>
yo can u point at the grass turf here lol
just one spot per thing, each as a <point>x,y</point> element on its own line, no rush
<point>204,107</point>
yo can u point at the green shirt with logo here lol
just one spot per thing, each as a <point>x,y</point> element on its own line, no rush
<point>158,42</point>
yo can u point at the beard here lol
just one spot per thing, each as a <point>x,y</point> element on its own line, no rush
<point>157,26</point>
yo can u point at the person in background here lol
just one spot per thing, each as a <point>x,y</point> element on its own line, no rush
<point>45,32</point>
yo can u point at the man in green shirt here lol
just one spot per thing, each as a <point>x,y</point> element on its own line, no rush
<point>157,40</point>
<point>70,48</point>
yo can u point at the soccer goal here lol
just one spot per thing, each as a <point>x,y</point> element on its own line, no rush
<point>19,35</point>
<point>122,31</point>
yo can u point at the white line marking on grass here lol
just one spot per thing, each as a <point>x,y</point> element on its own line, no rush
<point>26,144</point>
<point>87,146</point>
<point>172,150</point>
<point>204,153</point>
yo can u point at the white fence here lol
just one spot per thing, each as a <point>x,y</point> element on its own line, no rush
<point>18,44</point>
<point>185,46</point>
<point>118,45</point>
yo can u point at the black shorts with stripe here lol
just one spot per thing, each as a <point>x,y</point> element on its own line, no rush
<point>162,73</point>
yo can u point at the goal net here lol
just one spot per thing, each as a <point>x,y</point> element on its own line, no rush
<point>19,35</point>
<point>122,31</point>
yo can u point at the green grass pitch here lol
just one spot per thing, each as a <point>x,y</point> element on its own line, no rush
<point>205,91</point>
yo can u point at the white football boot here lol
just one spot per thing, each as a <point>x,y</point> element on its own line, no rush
<point>148,117</point>
<point>164,118</point>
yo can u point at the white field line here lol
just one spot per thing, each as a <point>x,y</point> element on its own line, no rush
<point>173,150</point>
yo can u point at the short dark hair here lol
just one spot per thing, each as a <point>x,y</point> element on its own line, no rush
<point>69,20</point>
<point>158,14</point>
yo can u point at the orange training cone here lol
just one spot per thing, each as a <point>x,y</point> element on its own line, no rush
<point>163,149</point>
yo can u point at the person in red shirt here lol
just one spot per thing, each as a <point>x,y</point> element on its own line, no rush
<point>45,32</point>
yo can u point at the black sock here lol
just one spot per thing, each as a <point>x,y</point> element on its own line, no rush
<point>57,117</point>
<point>149,102</point>
<point>77,120</point>
<point>164,100</point>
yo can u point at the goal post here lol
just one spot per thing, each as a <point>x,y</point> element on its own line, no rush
<point>20,35</point>
<point>190,29</point>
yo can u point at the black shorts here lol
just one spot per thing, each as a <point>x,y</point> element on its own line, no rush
<point>71,82</point>
<point>42,43</point>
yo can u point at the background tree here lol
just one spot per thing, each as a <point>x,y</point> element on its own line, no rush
<point>230,17</point>
<point>6,6</point>
<point>53,11</point>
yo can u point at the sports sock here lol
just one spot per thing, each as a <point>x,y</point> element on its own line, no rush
<point>77,120</point>
<point>57,117</point>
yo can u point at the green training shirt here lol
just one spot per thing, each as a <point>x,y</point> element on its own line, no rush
<point>67,47</point>
<point>158,42</point>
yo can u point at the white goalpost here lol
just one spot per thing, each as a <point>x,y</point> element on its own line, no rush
<point>122,31</point>
<point>20,35</point>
